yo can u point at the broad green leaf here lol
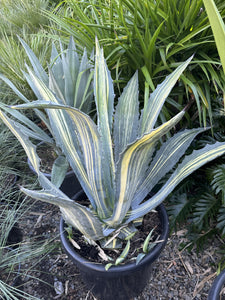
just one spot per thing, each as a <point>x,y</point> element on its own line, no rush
<point>218,28</point>
<point>190,163</point>
<point>151,112</point>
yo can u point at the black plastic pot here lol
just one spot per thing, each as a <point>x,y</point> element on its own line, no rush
<point>70,184</point>
<point>119,282</point>
<point>217,286</point>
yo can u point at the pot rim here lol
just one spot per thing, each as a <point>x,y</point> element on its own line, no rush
<point>217,286</point>
<point>149,258</point>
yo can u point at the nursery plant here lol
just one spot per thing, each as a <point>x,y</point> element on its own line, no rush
<point>115,160</point>
<point>152,36</point>
<point>119,160</point>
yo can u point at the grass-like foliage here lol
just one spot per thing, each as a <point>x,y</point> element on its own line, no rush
<point>154,36</point>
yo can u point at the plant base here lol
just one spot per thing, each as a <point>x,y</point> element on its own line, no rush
<point>120,282</point>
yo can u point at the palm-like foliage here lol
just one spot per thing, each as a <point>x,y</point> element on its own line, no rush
<point>154,36</point>
<point>116,160</point>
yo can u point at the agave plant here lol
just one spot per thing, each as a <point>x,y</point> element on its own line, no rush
<point>119,160</point>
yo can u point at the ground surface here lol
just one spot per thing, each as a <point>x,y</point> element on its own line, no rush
<point>176,274</point>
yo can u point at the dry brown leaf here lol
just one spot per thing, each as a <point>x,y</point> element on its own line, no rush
<point>189,267</point>
<point>200,285</point>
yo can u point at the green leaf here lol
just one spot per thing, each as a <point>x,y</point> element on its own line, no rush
<point>151,111</point>
<point>124,254</point>
<point>59,170</point>
<point>218,28</point>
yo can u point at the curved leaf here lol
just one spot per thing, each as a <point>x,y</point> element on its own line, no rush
<point>191,163</point>
<point>133,156</point>
<point>165,159</point>
<point>151,111</point>
<point>73,213</point>
<point>77,136</point>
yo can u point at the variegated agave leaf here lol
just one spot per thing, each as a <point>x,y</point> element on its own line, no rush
<point>81,145</point>
<point>190,163</point>
<point>165,159</point>
<point>78,216</point>
<point>133,159</point>
<point>39,113</point>
<point>154,105</point>
<point>104,100</point>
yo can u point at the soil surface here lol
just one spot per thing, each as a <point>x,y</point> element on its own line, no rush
<point>177,274</point>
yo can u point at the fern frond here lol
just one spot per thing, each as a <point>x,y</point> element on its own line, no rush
<point>218,182</point>
<point>179,209</point>
<point>221,221</point>
<point>201,239</point>
<point>205,208</point>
